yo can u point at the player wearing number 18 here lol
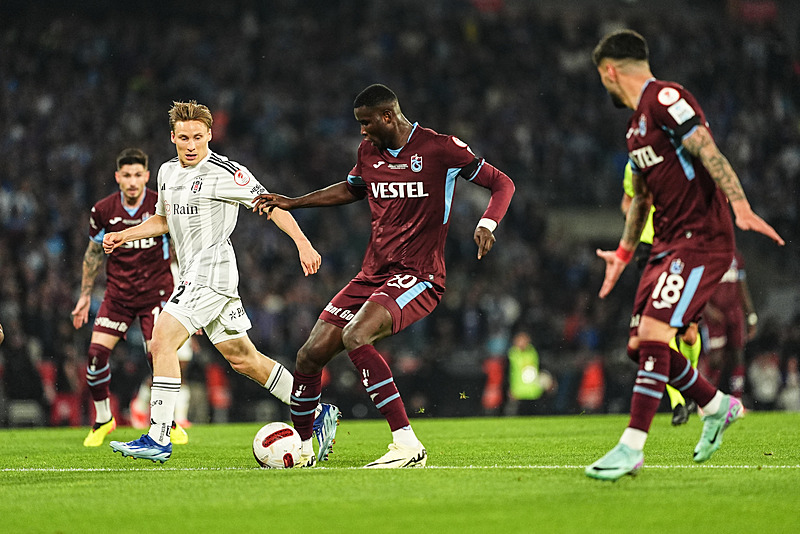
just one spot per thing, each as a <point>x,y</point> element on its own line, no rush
<point>677,168</point>
<point>408,174</point>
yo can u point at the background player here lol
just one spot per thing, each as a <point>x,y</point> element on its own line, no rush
<point>199,193</point>
<point>408,175</point>
<point>138,281</point>
<point>724,318</point>
<point>679,170</point>
<point>688,341</point>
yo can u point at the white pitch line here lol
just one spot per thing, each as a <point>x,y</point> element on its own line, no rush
<point>454,468</point>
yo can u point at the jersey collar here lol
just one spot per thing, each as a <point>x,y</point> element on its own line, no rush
<point>396,151</point>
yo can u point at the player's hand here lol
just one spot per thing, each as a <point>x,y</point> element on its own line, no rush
<point>80,315</point>
<point>484,239</point>
<point>749,220</point>
<point>268,201</point>
<point>614,268</point>
<point>309,258</point>
<point>111,241</point>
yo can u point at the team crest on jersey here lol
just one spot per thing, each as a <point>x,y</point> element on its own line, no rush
<point>196,185</point>
<point>643,125</point>
<point>416,163</point>
<point>241,178</point>
<point>676,267</point>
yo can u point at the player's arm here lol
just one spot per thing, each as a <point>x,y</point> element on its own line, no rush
<point>635,219</point>
<point>701,145</point>
<point>152,227</point>
<point>479,172</point>
<point>333,195</point>
<point>309,257</point>
<point>92,260</point>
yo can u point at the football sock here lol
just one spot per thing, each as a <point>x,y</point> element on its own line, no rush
<point>688,380</point>
<point>405,436</point>
<point>713,405</point>
<point>692,352</point>
<point>98,372</point>
<point>182,405</point>
<point>376,377</point>
<point>102,409</point>
<point>650,382</point>
<point>305,395</point>
<point>633,438</point>
<point>675,397</point>
<point>307,448</point>
<point>163,395</point>
<point>279,383</point>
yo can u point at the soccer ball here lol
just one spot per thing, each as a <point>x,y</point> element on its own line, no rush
<point>277,445</point>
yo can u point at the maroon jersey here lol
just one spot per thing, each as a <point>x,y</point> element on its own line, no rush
<point>410,193</point>
<point>691,211</point>
<point>138,273</point>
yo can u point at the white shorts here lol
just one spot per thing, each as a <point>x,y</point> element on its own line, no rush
<point>196,306</point>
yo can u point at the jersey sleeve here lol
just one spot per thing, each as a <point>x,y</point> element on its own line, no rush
<point>677,112</point>
<point>355,182</point>
<point>160,188</point>
<point>97,224</point>
<point>241,187</point>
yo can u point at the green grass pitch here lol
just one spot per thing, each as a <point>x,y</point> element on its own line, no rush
<point>484,475</point>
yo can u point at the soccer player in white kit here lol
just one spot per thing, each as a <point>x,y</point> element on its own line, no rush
<point>199,193</point>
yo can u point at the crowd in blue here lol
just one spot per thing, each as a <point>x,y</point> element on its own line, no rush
<point>512,78</point>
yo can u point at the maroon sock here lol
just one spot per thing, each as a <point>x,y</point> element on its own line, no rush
<point>651,379</point>
<point>98,372</point>
<point>306,392</point>
<point>376,377</point>
<point>687,380</point>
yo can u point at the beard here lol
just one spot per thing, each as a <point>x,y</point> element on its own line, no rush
<point>616,100</point>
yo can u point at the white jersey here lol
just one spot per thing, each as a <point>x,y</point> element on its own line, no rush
<point>201,205</point>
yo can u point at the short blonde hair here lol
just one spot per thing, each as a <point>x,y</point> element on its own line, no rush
<point>189,111</point>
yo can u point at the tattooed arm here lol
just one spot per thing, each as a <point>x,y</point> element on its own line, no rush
<point>701,145</point>
<point>92,260</point>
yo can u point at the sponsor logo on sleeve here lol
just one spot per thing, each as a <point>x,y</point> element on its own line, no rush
<point>681,111</point>
<point>668,96</point>
<point>241,177</point>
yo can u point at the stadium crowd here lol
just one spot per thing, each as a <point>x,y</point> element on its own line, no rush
<point>513,79</point>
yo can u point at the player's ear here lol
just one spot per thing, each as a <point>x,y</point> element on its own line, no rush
<point>116,176</point>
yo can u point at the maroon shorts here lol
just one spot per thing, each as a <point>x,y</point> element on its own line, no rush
<point>730,332</point>
<point>407,297</point>
<point>675,287</point>
<point>115,318</point>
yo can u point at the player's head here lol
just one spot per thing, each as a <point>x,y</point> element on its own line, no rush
<point>378,111</point>
<point>619,52</point>
<point>132,174</point>
<point>190,123</point>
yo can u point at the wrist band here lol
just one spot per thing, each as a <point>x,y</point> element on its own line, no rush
<point>624,255</point>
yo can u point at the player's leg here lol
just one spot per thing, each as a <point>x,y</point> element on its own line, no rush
<point>323,343</point>
<point>677,403</point>
<point>98,377</point>
<point>246,360</point>
<point>168,335</point>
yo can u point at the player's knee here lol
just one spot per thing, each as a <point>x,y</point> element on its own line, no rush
<point>353,337</point>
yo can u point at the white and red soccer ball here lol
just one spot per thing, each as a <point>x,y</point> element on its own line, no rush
<point>277,446</point>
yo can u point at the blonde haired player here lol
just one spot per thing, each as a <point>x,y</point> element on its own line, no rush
<point>199,194</point>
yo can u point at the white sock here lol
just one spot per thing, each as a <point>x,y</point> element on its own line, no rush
<point>713,405</point>
<point>307,448</point>
<point>405,437</point>
<point>279,383</point>
<point>633,438</point>
<point>163,395</point>
<point>102,410</point>
<point>182,405</point>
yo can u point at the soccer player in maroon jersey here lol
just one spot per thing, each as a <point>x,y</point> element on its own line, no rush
<point>139,280</point>
<point>677,168</point>
<point>408,174</point>
<point>724,318</point>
